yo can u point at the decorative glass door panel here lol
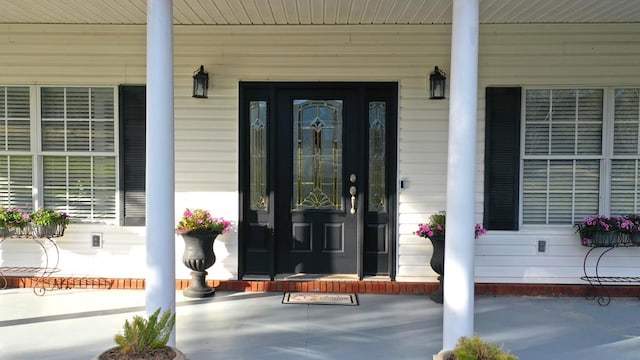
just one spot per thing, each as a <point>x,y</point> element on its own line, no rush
<point>377,156</point>
<point>317,154</point>
<point>258,154</point>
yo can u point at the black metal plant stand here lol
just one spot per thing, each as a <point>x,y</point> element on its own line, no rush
<point>596,281</point>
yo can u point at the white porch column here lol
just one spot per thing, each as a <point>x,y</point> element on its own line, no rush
<point>461,167</point>
<point>160,181</point>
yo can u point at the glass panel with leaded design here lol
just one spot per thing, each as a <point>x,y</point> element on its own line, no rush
<point>377,156</point>
<point>258,155</point>
<point>317,154</point>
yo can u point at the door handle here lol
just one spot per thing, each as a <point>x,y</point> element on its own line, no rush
<point>353,191</point>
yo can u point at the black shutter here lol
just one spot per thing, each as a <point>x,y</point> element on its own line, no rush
<point>502,158</point>
<point>132,155</point>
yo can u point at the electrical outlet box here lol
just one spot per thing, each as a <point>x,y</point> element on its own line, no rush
<point>404,184</point>
<point>96,240</point>
<point>542,246</point>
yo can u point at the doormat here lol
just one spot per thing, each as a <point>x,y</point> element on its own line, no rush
<point>319,298</point>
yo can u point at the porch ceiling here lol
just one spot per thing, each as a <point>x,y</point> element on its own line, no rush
<point>330,12</point>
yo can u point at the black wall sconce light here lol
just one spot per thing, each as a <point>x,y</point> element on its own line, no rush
<point>200,83</point>
<point>437,82</point>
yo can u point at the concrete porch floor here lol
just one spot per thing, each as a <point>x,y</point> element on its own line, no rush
<point>80,323</point>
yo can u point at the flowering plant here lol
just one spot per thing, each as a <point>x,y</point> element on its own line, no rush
<point>199,220</point>
<point>49,217</point>
<point>601,223</point>
<point>480,230</point>
<point>631,223</point>
<point>435,227</point>
<point>591,225</point>
<point>14,218</point>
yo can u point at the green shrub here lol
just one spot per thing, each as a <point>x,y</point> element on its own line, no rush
<point>476,349</point>
<point>145,334</point>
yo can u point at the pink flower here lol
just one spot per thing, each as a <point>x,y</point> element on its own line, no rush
<point>199,220</point>
<point>479,230</point>
<point>436,227</point>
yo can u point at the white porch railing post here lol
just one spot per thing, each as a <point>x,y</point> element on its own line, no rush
<point>459,247</point>
<point>160,168</point>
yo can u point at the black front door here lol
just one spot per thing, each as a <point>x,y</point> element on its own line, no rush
<point>318,178</point>
<point>317,157</point>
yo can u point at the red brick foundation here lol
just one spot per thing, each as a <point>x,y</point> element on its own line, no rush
<point>339,286</point>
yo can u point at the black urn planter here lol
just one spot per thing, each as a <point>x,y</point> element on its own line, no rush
<point>198,256</point>
<point>437,264</point>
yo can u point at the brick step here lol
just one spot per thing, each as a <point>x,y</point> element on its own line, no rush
<point>339,286</point>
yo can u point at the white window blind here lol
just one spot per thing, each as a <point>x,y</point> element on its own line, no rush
<point>16,182</point>
<point>15,146</point>
<point>82,185</point>
<point>562,154</point>
<point>14,119</point>
<point>78,148</point>
<point>626,154</point>
<point>78,119</point>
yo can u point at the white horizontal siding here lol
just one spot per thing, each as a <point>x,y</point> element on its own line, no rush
<point>545,55</point>
<point>207,130</point>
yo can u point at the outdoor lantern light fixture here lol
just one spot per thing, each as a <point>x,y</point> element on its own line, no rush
<point>437,81</point>
<point>200,83</point>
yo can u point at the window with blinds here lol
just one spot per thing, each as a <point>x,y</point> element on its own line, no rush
<point>626,152</point>
<point>577,159</point>
<point>78,151</point>
<point>15,148</point>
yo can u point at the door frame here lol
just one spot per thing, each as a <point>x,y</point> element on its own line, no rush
<point>257,253</point>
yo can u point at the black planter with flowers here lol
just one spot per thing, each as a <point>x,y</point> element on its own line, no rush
<point>199,256</point>
<point>609,231</point>
<point>437,264</point>
<point>435,232</point>
<point>199,230</point>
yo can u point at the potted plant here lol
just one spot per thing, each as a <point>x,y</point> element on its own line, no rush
<point>633,228</point>
<point>145,339</point>
<point>4,230</point>
<point>434,230</point>
<point>198,230</point>
<point>601,230</point>
<point>14,222</point>
<point>475,349</point>
<point>48,222</point>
